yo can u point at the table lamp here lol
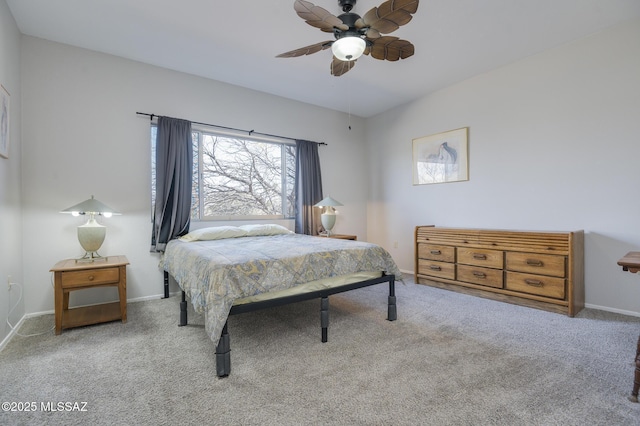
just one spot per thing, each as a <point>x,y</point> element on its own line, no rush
<point>91,234</point>
<point>328,216</point>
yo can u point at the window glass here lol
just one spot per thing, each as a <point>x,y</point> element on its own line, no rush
<point>237,178</point>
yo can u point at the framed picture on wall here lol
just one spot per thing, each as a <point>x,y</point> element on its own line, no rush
<point>442,157</point>
<point>4,122</point>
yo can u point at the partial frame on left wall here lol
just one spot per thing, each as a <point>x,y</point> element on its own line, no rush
<point>4,121</point>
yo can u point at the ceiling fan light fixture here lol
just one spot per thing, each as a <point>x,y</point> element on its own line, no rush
<point>348,48</point>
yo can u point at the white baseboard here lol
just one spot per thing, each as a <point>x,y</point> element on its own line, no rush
<point>136,299</point>
<point>7,339</point>
<point>615,311</point>
<point>587,305</point>
<point>12,333</point>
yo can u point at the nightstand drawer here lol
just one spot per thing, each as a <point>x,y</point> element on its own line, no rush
<point>91,276</point>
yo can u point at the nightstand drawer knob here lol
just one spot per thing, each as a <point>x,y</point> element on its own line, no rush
<point>90,278</point>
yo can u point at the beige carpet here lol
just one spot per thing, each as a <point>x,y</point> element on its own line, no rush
<point>449,359</point>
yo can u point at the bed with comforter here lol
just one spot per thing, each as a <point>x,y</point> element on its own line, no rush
<point>228,270</point>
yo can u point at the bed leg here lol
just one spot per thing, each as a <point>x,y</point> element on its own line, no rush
<point>324,318</point>
<point>223,354</point>
<point>166,285</point>
<point>392,312</point>
<point>183,310</point>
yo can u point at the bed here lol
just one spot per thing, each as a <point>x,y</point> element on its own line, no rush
<point>229,270</point>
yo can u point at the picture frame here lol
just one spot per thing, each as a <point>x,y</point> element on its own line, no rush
<point>442,157</point>
<point>4,121</point>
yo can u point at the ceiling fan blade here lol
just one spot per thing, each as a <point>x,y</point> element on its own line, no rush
<point>391,48</point>
<point>339,67</point>
<point>372,34</point>
<point>307,50</point>
<point>318,17</point>
<point>390,15</point>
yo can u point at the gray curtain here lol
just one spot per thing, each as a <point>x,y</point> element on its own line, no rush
<point>308,187</point>
<point>174,172</point>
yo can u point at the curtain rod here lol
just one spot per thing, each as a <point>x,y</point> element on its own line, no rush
<point>250,132</point>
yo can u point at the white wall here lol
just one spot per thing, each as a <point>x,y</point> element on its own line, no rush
<point>81,136</point>
<point>10,182</point>
<point>554,144</point>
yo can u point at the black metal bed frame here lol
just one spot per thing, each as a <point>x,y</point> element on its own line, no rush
<point>223,349</point>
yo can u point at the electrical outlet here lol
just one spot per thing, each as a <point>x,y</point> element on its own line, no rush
<point>395,244</point>
<point>9,282</point>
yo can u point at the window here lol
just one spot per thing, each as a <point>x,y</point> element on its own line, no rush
<point>238,178</point>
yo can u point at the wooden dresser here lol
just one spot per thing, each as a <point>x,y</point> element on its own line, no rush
<point>543,270</point>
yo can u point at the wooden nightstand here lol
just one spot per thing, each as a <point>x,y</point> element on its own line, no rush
<point>344,237</point>
<point>72,274</point>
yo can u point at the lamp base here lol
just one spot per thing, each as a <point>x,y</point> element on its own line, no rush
<point>91,256</point>
<point>91,236</point>
<point>328,221</point>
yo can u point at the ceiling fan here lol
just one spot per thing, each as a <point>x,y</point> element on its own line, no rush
<point>355,35</point>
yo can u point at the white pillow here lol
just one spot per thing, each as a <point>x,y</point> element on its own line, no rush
<point>214,233</point>
<point>264,230</point>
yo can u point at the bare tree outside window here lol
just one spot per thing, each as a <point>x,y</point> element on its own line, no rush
<point>236,178</point>
<point>245,178</point>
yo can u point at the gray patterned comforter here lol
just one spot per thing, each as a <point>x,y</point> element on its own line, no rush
<point>215,273</point>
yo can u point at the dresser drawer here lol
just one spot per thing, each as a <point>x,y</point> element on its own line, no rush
<point>437,252</point>
<point>481,257</point>
<point>482,276</point>
<point>95,276</point>
<point>437,269</point>
<point>543,264</point>
<point>536,284</point>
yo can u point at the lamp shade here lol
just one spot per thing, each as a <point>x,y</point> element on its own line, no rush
<point>90,206</point>
<point>328,201</point>
<point>348,48</point>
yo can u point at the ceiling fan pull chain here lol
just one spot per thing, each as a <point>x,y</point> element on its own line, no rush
<point>349,95</point>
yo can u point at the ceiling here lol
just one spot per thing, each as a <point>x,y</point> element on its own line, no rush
<point>237,41</point>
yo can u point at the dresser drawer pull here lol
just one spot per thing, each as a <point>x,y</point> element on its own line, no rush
<point>436,252</point>
<point>435,268</point>
<point>479,274</point>
<point>90,278</point>
<point>533,283</point>
<point>534,262</point>
<point>479,256</point>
